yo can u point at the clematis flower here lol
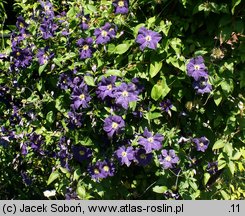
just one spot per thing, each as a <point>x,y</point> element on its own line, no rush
<point>113,124</point>
<point>168,158</point>
<point>80,97</point>
<point>107,168</point>
<point>106,87</point>
<point>105,33</point>
<point>43,56</point>
<point>125,155</point>
<point>196,68</point>
<point>125,94</point>
<point>142,157</point>
<point>121,6</point>
<point>81,153</point>
<point>201,143</point>
<point>166,105</point>
<point>202,86</point>
<point>150,141</point>
<point>148,38</point>
<point>86,47</point>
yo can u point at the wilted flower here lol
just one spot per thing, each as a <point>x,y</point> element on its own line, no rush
<point>81,153</point>
<point>106,87</point>
<point>201,143</point>
<point>86,45</point>
<point>150,141</point>
<point>202,86</point>
<point>148,38</point>
<point>125,155</point>
<point>121,6</point>
<point>142,157</point>
<point>168,158</point>
<point>212,167</point>
<point>105,33</point>
<point>125,94</point>
<point>196,68</point>
<point>166,105</point>
<point>113,124</point>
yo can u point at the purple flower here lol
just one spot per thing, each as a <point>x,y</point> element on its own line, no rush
<point>107,169</point>
<point>48,9</point>
<point>142,157</point>
<point>166,105</point>
<point>148,38</point>
<point>22,58</point>
<point>121,6</point>
<point>105,33</point>
<point>84,21</point>
<point>201,143</point>
<point>113,124</point>
<point>75,119</point>
<point>81,153</point>
<point>43,56</point>
<point>168,158</point>
<point>212,167</point>
<point>125,94</point>
<point>151,142</point>
<point>125,155</point>
<point>196,68</point>
<point>202,86</point>
<point>48,28</point>
<point>63,153</point>
<point>64,81</point>
<point>106,87</point>
<point>21,24</point>
<point>95,171</point>
<point>24,150</point>
<point>86,45</point>
<point>80,97</point>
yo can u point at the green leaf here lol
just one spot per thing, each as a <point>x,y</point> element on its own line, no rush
<point>160,90</point>
<point>235,3</point>
<point>81,192</point>
<point>160,189</point>
<point>57,62</point>
<point>206,178</point>
<point>53,176</point>
<point>50,116</point>
<point>41,68</point>
<point>92,8</point>
<point>89,80</point>
<point>155,67</point>
<point>113,73</point>
<point>217,98</point>
<point>218,144</point>
<point>225,195</point>
<point>231,166</point>
<point>121,48</point>
<point>228,149</point>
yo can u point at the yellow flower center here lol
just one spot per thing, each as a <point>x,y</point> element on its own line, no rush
<point>124,154</point>
<point>168,158</point>
<point>148,38</point>
<point>104,33</point>
<point>121,3</point>
<point>114,125</point>
<point>84,19</point>
<point>196,67</point>
<point>81,152</point>
<point>143,156</point>
<point>106,168</point>
<point>82,96</point>
<point>21,25</point>
<point>18,53</point>
<point>109,87</point>
<point>201,144</point>
<point>85,47</point>
<point>150,139</point>
<point>96,171</point>
<point>125,93</point>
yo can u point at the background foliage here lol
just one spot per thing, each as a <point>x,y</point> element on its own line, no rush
<point>38,132</point>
